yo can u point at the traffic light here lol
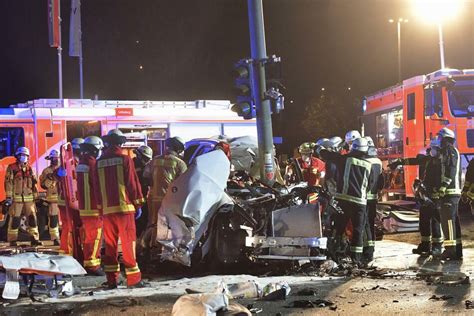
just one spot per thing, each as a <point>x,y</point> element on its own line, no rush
<point>245,103</point>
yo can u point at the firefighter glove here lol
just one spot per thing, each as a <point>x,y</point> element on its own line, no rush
<point>442,191</point>
<point>138,213</point>
<point>8,202</point>
<point>62,172</point>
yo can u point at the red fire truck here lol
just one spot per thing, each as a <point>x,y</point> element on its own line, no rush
<point>402,120</point>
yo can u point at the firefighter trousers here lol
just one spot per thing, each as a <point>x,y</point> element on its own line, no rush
<point>450,224</point>
<point>91,238</point>
<point>369,234</point>
<point>430,227</point>
<point>16,211</point>
<point>53,213</point>
<point>357,214</point>
<point>120,225</point>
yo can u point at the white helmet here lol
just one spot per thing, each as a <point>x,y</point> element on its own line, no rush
<point>360,144</point>
<point>94,141</point>
<point>336,141</point>
<point>370,141</point>
<point>53,154</point>
<point>446,133</point>
<point>76,142</point>
<point>22,151</point>
<point>320,141</point>
<point>352,135</point>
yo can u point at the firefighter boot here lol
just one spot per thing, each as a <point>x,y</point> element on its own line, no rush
<point>423,249</point>
<point>449,254</point>
<point>436,249</point>
<point>33,230</point>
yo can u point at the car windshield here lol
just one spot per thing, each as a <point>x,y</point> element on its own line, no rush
<point>461,99</point>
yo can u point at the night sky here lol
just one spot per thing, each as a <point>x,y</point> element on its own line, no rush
<point>187,48</point>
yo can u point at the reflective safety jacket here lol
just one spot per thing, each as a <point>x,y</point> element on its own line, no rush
<point>162,171</point>
<point>450,170</point>
<point>376,178</point>
<point>354,177</point>
<point>88,187</point>
<point>120,190</point>
<point>20,183</point>
<point>312,172</point>
<point>50,182</point>
<point>468,188</point>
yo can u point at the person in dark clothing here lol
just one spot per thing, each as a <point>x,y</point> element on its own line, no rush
<point>143,156</point>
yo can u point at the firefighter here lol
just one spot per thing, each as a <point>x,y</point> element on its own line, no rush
<point>76,147</point>
<point>49,182</point>
<point>120,201</point>
<point>21,191</point>
<point>348,139</point>
<point>450,193</point>
<point>312,168</point>
<point>143,156</point>
<point>429,172</point>
<point>467,194</point>
<point>372,197</point>
<point>87,193</point>
<point>162,171</point>
<point>337,143</point>
<point>354,176</point>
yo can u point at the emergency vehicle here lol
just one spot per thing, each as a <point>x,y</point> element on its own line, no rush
<point>45,124</point>
<point>402,120</point>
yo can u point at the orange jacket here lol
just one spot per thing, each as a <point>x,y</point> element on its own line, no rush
<point>87,187</point>
<point>120,190</point>
<point>312,173</point>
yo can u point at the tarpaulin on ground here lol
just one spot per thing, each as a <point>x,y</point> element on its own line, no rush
<point>42,264</point>
<point>189,203</point>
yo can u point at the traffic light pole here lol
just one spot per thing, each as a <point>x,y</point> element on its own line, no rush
<point>262,104</point>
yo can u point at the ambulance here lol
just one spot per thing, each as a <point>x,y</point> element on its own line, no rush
<point>402,120</point>
<point>45,124</point>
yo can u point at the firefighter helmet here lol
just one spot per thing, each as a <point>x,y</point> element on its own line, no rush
<point>360,144</point>
<point>336,141</point>
<point>370,141</point>
<point>94,141</point>
<point>326,145</point>
<point>446,133</point>
<point>306,148</point>
<point>352,135</point>
<point>145,151</point>
<point>22,151</point>
<point>115,137</point>
<point>175,143</point>
<point>320,141</point>
<point>52,154</point>
<point>76,143</point>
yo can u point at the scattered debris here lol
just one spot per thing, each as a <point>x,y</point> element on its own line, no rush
<point>200,304</point>
<point>277,295</point>
<point>307,292</point>
<point>311,304</point>
<point>441,298</point>
<point>395,301</point>
<point>333,308</point>
<point>469,304</point>
<point>364,305</point>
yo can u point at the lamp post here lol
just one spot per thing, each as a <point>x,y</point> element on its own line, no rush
<point>437,12</point>
<point>399,30</point>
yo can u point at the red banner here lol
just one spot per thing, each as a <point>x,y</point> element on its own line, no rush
<point>123,111</point>
<point>53,22</point>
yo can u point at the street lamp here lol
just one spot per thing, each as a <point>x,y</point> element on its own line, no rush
<point>399,29</point>
<point>438,11</point>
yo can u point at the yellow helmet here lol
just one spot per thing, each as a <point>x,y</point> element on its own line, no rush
<point>306,148</point>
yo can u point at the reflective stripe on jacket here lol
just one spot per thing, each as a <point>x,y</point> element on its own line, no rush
<point>20,183</point>
<point>451,170</point>
<point>120,190</point>
<point>87,187</point>
<point>354,178</point>
<point>50,182</point>
<point>376,179</point>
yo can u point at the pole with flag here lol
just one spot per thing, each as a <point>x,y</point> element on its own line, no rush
<point>75,39</point>
<point>54,27</point>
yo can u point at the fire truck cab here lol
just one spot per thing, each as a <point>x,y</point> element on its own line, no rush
<point>402,120</point>
<point>44,124</point>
